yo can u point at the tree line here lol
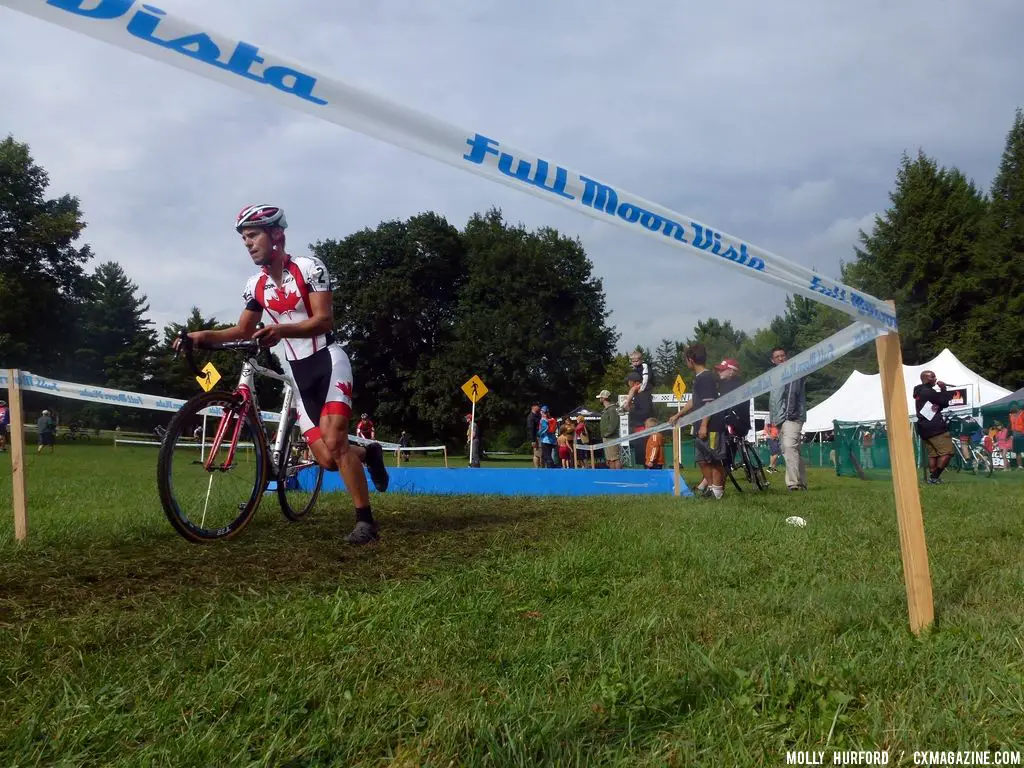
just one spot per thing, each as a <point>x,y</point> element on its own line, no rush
<point>424,305</point>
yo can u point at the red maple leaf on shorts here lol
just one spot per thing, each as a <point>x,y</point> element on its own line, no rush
<point>345,387</point>
<point>283,302</point>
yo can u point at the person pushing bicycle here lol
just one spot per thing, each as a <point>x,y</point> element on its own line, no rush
<point>295,293</point>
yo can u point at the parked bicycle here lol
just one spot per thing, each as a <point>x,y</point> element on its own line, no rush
<point>743,455</point>
<point>75,432</point>
<point>215,494</point>
<point>971,457</point>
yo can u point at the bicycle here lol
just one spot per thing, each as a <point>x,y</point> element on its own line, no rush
<point>753,469</point>
<point>973,458</point>
<point>288,461</point>
<point>74,432</point>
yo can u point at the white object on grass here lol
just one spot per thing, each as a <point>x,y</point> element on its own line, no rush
<point>799,522</point>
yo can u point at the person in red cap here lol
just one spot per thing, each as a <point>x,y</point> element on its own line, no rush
<point>737,418</point>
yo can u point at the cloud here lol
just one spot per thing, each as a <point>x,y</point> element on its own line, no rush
<point>781,124</point>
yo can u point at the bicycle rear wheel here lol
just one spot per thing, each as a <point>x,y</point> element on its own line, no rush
<point>729,464</point>
<point>755,469</point>
<point>299,478</point>
<point>209,497</point>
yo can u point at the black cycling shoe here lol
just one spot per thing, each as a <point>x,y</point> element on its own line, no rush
<point>363,533</point>
<point>378,470</point>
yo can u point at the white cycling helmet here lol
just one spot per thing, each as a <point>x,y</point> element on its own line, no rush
<point>260,216</point>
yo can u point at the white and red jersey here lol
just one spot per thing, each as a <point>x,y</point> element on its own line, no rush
<point>289,302</point>
<point>366,430</point>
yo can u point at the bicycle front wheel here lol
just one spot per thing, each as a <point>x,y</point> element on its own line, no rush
<point>983,463</point>
<point>212,494</point>
<point>299,477</point>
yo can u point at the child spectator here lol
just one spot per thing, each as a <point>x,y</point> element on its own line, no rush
<point>1004,442</point>
<point>654,456</point>
<point>547,429</point>
<point>582,437</point>
<point>565,447</point>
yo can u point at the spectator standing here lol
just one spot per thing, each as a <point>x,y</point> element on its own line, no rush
<point>532,428</point>
<point>788,407</point>
<point>654,455</point>
<point>771,434</point>
<point>403,442</point>
<point>709,445</point>
<point>46,428</point>
<point>866,446</point>
<point>547,436</point>
<point>1017,431</point>
<point>931,427</point>
<point>5,419</point>
<point>566,432</point>
<point>610,429</point>
<point>581,437</point>
<point>641,403</point>
<point>730,377</point>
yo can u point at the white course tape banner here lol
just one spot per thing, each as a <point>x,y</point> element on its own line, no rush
<point>796,367</point>
<point>152,32</point>
<point>68,389</point>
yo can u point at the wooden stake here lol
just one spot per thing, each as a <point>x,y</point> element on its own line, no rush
<point>17,455</point>
<point>677,447</point>
<point>916,574</point>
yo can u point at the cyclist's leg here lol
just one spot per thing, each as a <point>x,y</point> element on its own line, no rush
<point>309,399</point>
<point>334,422</point>
<point>327,437</point>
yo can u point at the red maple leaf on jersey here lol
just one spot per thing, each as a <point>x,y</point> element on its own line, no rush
<point>345,387</point>
<point>283,302</point>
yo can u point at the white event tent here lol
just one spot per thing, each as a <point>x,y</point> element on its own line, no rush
<point>860,397</point>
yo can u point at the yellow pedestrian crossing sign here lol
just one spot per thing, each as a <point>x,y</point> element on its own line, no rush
<point>475,389</point>
<point>209,378</point>
<point>679,388</point>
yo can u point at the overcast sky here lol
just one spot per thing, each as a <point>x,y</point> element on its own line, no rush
<point>781,123</point>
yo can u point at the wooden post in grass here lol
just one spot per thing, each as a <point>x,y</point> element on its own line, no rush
<point>677,447</point>
<point>916,574</point>
<point>17,455</point>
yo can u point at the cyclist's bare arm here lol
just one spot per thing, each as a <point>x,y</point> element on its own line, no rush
<point>241,331</point>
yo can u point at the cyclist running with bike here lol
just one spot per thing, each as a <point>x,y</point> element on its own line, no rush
<point>295,293</point>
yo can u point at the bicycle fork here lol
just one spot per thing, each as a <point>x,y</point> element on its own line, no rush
<point>245,389</point>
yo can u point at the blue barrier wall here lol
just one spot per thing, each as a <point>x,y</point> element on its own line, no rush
<point>520,482</point>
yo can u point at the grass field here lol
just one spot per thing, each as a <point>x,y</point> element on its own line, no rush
<point>490,631</point>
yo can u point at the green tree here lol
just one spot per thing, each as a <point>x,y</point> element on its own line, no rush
<point>116,338</point>
<point>719,338</point>
<point>43,279</point>
<point>395,306</point>
<point>921,253</point>
<point>613,379</point>
<point>666,361</point>
<point>531,321</point>
<point>993,339</point>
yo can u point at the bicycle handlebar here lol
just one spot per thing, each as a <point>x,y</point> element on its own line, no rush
<point>186,347</point>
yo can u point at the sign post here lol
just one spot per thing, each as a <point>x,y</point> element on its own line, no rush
<point>17,455</point>
<point>678,389</point>
<point>474,389</point>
